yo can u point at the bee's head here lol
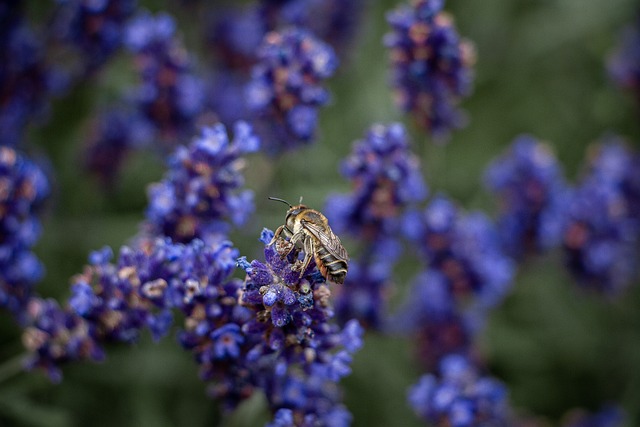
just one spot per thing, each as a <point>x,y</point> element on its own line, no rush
<point>292,212</point>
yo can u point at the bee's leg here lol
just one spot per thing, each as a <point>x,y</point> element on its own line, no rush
<point>309,250</point>
<point>294,240</point>
<point>276,235</point>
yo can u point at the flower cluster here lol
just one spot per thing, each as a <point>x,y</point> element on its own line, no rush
<point>94,28</point>
<point>170,96</point>
<point>285,90</point>
<point>301,354</point>
<point>334,21</point>
<point>23,189</point>
<point>431,66</point>
<point>115,301</point>
<point>600,239</point>
<point>460,397</point>
<point>464,248</point>
<point>199,193</point>
<point>26,81</point>
<point>624,63</point>
<point>532,193</point>
<point>386,178</point>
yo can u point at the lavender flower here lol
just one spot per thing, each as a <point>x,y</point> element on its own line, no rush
<point>170,96</point>
<point>431,66</point>
<point>624,62</point>
<point>532,194</point>
<point>94,28</point>
<point>23,189</point>
<point>26,80</point>
<point>236,34</point>
<point>601,237</point>
<point>464,248</point>
<point>386,178</point>
<point>301,354</point>
<point>334,21</point>
<point>199,193</point>
<point>459,397</point>
<point>114,302</point>
<point>285,90</point>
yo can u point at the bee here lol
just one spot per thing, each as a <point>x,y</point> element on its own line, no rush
<point>309,230</point>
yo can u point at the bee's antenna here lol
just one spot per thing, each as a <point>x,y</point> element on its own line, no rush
<point>300,202</point>
<point>280,200</point>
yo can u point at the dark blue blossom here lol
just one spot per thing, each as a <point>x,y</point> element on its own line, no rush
<point>624,62</point>
<point>532,194</point>
<point>334,21</point>
<point>26,79</point>
<point>200,193</point>
<point>603,229</point>
<point>300,355</point>
<point>431,66</point>
<point>286,90</point>
<point>460,397</point>
<point>465,249</point>
<point>170,96</point>
<point>386,178</point>
<point>116,301</point>
<point>23,190</point>
<point>95,28</point>
<point>235,35</point>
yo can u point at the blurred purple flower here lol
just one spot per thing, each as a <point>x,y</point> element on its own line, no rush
<point>603,229</point>
<point>459,397</point>
<point>532,194</point>
<point>431,66</point>
<point>95,28</point>
<point>285,89</point>
<point>465,249</point>
<point>200,193</point>
<point>23,190</point>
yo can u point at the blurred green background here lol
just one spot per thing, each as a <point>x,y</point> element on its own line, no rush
<point>541,70</point>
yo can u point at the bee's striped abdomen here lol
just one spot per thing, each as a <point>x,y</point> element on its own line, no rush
<point>332,268</point>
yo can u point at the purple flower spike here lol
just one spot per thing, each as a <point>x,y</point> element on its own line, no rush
<point>95,28</point>
<point>23,190</point>
<point>465,249</point>
<point>200,192</point>
<point>533,197</point>
<point>603,229</point>
<point>170,96</point>
<point>431,66</point>
<point>285,90</point>
<point>459,397</point>
<point>116,301</point>
<point>386,178</point>
<point>26,79</point>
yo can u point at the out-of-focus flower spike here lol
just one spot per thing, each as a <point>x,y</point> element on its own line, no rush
<point>431,66</point>
<point>285,91</point>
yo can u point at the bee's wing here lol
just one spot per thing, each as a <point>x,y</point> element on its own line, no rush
<point>329,240</point>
